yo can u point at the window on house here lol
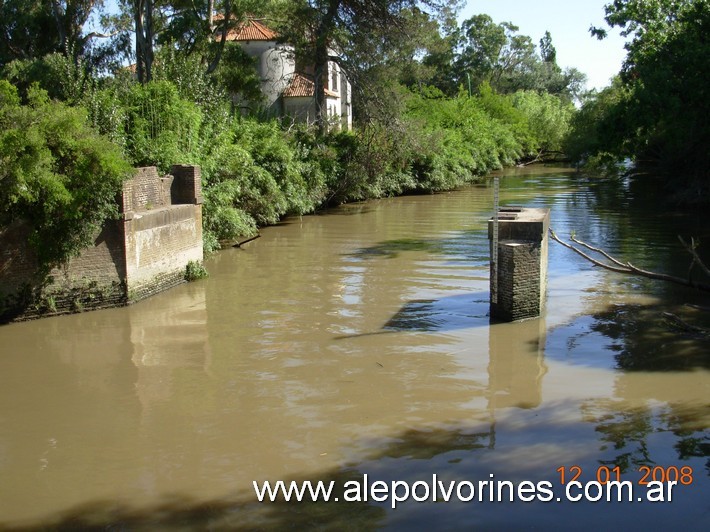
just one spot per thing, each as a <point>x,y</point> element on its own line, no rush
<point>334,79</point>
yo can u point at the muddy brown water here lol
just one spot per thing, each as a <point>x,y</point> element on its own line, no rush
<point>357,343</point>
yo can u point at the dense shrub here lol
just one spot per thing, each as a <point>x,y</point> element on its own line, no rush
<point>465,140</point>
<point>58,174</point>
<point>547,116</point>
<point>255,172</point>
<point>162,129</point>
<point>257,175</point>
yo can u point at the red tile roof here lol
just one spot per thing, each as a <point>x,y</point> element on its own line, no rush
<point>301,86</point>
<point>250,30</point>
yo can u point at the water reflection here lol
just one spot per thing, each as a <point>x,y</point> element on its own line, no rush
<point>633,337</point>
<point>354,344</point>
<point>517,364</point>
<point>168,336</point>
<point>646,435</point>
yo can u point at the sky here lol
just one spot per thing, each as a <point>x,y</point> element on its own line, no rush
<point>568,22</point>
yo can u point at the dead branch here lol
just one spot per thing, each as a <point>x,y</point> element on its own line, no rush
<point>624,269</point>
<point>240,244</point>
<point>684,326</point>
<point>598,250</point>
<point>96,35</point>
<point>628,268</point>
<point>696,259</point>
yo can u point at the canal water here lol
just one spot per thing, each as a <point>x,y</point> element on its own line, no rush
<point>355,346</point>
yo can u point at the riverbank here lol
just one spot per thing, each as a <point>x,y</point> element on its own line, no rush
<point>147,250</point>
<point>355,343</point>
<point>260,172</point>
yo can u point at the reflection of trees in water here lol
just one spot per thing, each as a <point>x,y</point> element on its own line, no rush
<point>645,342</point>
<point>643,226</point>
<point>692,441</point>
<point>419,444</point>
<point>633,337</point>
<point>244,512</point>
<point>625,432</point>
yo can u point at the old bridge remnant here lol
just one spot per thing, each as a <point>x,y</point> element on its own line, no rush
<point>144,252</point>
<point>518,280</point>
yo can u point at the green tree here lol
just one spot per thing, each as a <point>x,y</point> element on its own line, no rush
<point>547,49</point>
<point>547,116</point>
<point>342,30</point>
<point>497,54</point>
<point>31,30</point>
<point>663,119</point>
<point>57,174</point>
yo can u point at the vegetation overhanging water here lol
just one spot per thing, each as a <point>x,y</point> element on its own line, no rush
<point>356,343</point>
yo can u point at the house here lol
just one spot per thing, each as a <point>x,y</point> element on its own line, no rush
<point>289,91</point>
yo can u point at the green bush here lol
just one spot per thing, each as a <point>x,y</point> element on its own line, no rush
<point>256,176</point>
<point>548,118</point>
<point>162,129</point>
<point>58,174</point>
<point>464,141</point>
<point>195,270</point>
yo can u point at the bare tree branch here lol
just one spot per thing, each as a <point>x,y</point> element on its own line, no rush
<point>628,268</point>
<point>597,250</point>
<point>96,35</point>
<point>684,326</point>
<point>696,259</point>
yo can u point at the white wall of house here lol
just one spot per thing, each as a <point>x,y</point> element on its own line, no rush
<point>346,103</point>
<point>303,109</point>
<point>276,65</point>
<point>300,109</point>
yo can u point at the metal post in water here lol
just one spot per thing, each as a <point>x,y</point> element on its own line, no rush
<point>494,251</point>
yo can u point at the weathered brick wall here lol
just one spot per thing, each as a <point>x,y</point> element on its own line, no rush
<point>94,279</point>
<point>147,190</point>
<point>159,244</point>
<point>142,254</point>
<point>17,259</point>
<point>522,264</point>
<point>187,184</point>
<point>518,280</point>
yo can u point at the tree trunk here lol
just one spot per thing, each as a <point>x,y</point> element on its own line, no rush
<point>143,17</point>
<point>225,29</point>
<point>58,13</point>
<point>148,40</point>
<point>138,20</point>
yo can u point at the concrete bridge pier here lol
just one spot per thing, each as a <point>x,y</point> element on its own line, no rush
<point>519,279</point>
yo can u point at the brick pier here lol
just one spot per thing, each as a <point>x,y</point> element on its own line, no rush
<point>522,263</point>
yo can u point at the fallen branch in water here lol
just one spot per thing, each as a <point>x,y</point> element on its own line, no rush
<point>690,248</point>
<point>240,244</point>
<point>684,326</point>
<point>628,268</point>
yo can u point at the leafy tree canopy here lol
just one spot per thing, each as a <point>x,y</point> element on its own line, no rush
<point>499,55</point>
<point>657,112</point>
<point>57,174</point>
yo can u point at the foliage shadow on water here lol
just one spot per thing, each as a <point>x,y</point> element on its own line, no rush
<point>392,248</point>
<point>467,244</point>
<point>632,337</point>
<point>451,313</point>
<point>504,447</point>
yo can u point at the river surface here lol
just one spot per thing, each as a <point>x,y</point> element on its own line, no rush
<point>358,343</point>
